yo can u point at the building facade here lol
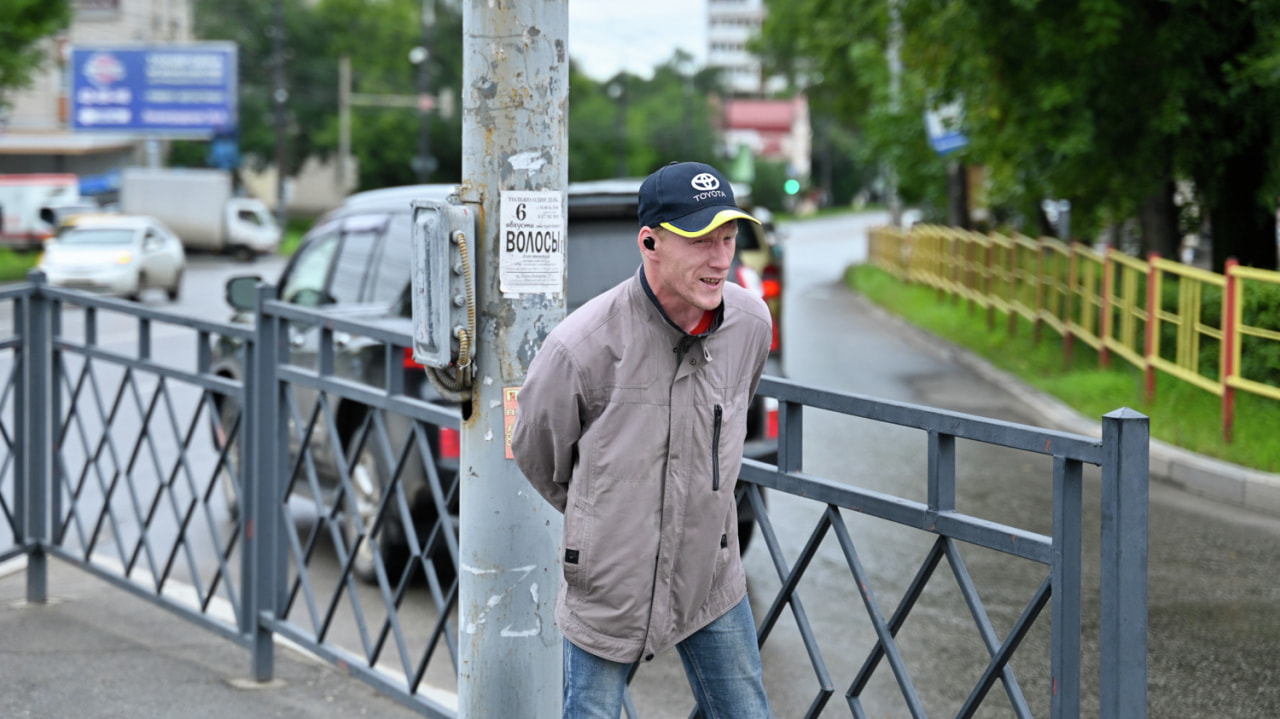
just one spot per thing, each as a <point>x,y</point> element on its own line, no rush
<point>35,133</point>
<point>730,24</point>
<point>776,130</point>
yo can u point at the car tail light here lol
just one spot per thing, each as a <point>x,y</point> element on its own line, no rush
<point>770,418</point>
<point>771,285</point>
<point>772,274</point>
<point>409,362</point>
<point>450,443</point>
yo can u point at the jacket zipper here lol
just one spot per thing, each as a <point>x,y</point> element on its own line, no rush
<point>715,451</point>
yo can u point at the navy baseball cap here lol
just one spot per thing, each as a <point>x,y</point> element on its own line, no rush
<point>689,199</point>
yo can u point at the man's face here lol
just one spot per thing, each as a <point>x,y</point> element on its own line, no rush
<point>691,271</point>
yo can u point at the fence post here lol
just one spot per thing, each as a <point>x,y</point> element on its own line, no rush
<point>21,475</point>
<point>37,395</point>
<point>264,436</point>
<point>1071,302</point>
<point>1230,337</point>
<point>989,286</point>
<point>1123,636</point>
<point>1152,338</point>
<point>1108,278</point>
<point>970,270</point>
<point>1038,323</point>
<point>1011,326</point>
<point>1068,543</point>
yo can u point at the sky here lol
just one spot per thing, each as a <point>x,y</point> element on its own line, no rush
<point>606,36</point>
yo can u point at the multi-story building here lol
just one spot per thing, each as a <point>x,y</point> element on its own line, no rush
<point>35,134</point>
<point>730,24</point>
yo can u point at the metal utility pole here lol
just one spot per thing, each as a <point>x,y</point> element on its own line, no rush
<point>344,121</point>
<point>424,164</point>
<point>894,58</point>
<point>515,152</point>
<point>279,97</point>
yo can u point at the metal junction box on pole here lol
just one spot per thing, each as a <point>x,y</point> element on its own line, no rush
<point>443,296</point>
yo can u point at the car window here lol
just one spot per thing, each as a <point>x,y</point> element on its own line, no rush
<point>350,272</point>
<point>748,235</point>
<point>395,261</point>
<point>305,281</point>
<point>96,236</point>
<point>601,253</point>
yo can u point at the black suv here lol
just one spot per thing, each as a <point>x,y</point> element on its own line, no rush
<point>355,263</point>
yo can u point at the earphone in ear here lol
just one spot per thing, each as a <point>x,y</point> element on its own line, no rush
<point>648,243</point>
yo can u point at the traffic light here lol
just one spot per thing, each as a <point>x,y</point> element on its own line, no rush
<point>791,186</point>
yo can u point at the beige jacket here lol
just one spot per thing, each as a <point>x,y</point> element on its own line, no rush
<point>634,429</point>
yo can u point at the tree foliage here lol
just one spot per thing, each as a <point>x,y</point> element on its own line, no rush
<point>671,116</point>
<point>653,120</point>
<point>23,24</point>
<point>1103,102</point>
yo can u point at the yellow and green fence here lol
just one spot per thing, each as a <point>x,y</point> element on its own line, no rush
<point>1219,332</point>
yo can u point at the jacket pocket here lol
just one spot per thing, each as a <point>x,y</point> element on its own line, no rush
<point>715,449</point>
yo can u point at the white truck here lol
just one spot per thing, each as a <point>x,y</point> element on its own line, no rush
<point>199,206</point>
<point>22,197</point>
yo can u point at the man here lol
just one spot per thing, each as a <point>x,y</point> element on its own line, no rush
<point>631,422</point>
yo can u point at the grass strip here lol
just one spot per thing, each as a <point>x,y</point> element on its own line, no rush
<point>1181,414</point>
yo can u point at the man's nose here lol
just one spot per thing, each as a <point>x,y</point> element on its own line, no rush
<point>723,256</point>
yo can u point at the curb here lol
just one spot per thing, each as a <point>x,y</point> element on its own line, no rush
<point>1208,477</point>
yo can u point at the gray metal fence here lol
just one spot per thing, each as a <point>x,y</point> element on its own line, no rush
<point>138,462</point>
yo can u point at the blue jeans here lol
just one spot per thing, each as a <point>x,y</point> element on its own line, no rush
<point>722,661</point>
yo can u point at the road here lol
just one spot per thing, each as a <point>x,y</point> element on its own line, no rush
<point>1213,587</point>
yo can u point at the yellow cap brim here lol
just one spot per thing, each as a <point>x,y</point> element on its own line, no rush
<point>718,219</point>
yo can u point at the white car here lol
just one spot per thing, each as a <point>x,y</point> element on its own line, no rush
<point>120,255</point>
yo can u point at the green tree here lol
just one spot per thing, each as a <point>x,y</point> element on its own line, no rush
<point>1104,102</point>
<point>597,124</point>
<point>836,54</point>
<point>671,116</point>
<point>377,37</point>
<point>311,82</point>
<point>23,24</point>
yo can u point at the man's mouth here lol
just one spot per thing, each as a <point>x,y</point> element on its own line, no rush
<point>712,281</point>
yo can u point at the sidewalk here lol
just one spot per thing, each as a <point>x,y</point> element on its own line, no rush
<point>95,651</point>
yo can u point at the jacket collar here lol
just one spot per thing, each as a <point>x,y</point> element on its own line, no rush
<point>648,291</point>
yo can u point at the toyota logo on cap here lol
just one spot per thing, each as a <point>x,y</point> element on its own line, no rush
<point>705,181</point>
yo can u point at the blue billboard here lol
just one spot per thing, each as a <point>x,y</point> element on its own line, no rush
<point>170,90</point>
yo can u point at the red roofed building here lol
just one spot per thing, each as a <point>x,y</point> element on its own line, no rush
<point>771,129</point>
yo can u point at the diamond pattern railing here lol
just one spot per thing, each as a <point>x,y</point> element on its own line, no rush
<point>135,467</point>
<point>368,516</point>
<point>168,481</point>
<point>1058,586</point>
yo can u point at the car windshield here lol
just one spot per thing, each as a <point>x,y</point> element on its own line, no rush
<point>96,236</point>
